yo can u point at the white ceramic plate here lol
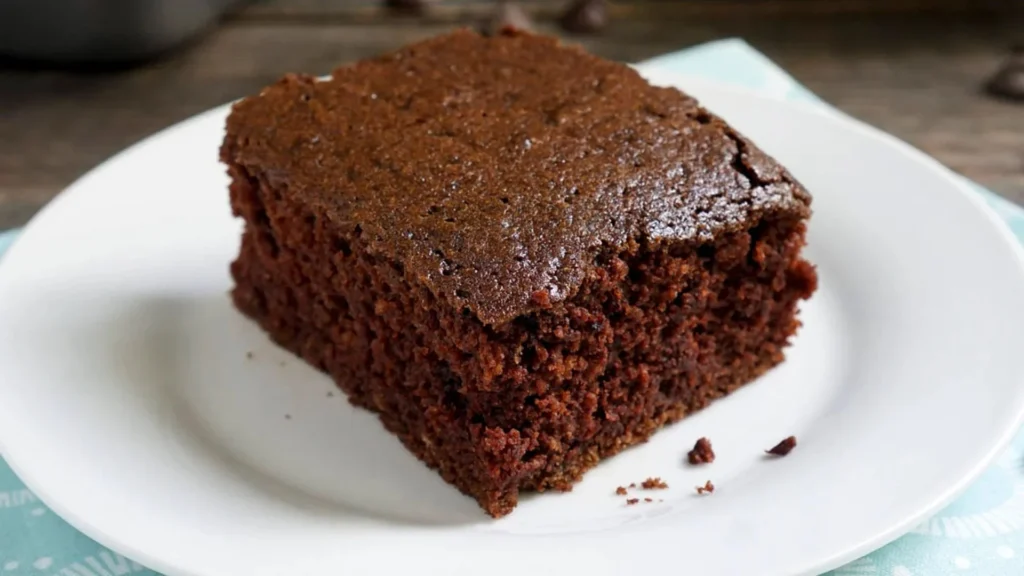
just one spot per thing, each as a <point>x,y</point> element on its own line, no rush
<point>131,406</point>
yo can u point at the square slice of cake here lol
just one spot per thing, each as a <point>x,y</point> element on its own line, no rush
<point>522,257</point>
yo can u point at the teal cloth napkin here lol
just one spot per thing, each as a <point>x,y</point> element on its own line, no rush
<point>982,533</point>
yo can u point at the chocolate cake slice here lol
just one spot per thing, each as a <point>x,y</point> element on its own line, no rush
<point>522,257</point>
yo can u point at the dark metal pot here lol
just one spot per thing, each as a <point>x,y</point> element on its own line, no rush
<point>101,31</point>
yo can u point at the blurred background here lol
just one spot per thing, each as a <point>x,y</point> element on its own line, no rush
<point>82,79</point>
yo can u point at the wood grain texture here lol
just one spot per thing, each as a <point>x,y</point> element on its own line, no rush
<point>321,10</point>
<point>917,76</point>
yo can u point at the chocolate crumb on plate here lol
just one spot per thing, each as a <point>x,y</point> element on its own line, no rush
<point>654,484</point>
<point>506,15</point>
<point>621,491</point>
<point>784,447</point>
<point>648,500</point>
<point>707,488</point>
<point>632,501</point>
<point>632,484</point>
<point>585,16</point>
<point>701,453</point>
<point>1008,81</point>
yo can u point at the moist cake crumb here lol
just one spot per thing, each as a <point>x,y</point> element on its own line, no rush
<point>654,484</point>
<point>707,488</point>
<point>632,484</point>
<point>701,452</point>
<point>784,447</point>
<point>523,258</point>
<point>621,491</point>
<point>631,501</point>
<point>648,500</point>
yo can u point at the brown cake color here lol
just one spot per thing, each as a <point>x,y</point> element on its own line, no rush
<point>522,257</point>
<point>784,447</point>
<point>701,453</point>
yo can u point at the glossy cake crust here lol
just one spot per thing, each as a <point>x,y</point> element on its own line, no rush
<point>522,257</point>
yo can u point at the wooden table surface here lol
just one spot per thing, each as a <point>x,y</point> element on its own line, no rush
<point>917,75</point>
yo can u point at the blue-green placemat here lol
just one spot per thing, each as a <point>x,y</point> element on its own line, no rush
<point>982,533</point>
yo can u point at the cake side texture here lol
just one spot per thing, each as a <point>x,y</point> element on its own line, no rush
<point>522,257</point>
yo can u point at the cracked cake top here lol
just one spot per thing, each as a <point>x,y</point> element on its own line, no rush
<point>494,169</point>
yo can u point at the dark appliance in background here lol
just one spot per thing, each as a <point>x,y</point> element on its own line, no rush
<point>101,31</point>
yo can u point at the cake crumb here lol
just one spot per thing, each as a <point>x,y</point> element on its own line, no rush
<point>541,298</point>
<point>632,501</point>
<point>707,488</point>
<point>632,484</point>
<point>701,453</point>
<point>784,447</point>
<point>621,490</point>
<point>648,500</point>
<point>654,484</point>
